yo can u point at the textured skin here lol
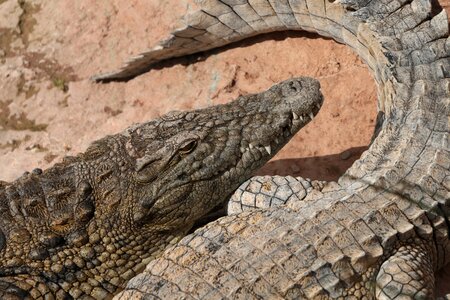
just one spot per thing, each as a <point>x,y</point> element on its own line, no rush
<point>84,227</point>
<point>382,230</point>
<point>270,191</point>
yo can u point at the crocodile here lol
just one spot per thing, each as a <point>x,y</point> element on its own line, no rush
<point>382,230</point>
<point>82,228</point>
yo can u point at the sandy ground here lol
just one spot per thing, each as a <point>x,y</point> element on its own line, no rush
<point>49,108</point>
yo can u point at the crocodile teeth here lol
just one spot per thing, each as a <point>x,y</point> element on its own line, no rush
<point>294,116</point>
<point>268,149</point>
<point>318,105</point>
<point>251,146</point>
<point>311,115</point>
<point>277,141</point>
<point>301,118</point>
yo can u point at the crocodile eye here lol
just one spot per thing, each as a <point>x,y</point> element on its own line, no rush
<point>188,148</point>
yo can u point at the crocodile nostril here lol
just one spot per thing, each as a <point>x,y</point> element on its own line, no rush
<point>295,86</point>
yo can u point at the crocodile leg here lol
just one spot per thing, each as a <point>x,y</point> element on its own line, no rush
<point>408,272</point>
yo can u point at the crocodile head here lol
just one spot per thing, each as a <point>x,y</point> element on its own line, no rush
<point>186,163</point>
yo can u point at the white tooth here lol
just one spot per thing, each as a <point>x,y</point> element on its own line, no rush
<point>277,141</point>
<point>301,118</point>
<point>268,149</point>
<point>295,116</point>
<point>251,146</point>
<point>311,115</point>
<point>318,105</point>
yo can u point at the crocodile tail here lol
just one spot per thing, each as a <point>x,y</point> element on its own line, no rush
<point>217,23</point>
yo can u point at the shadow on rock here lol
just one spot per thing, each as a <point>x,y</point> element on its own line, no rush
<point>328,167</point>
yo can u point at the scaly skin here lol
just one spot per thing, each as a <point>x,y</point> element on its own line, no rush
<point>271,191</point>
<point>381,231</point>
<point>87,225</point>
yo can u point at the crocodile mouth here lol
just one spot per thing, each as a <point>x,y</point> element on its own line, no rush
<point>281,136</point>
<point>254,155</point>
